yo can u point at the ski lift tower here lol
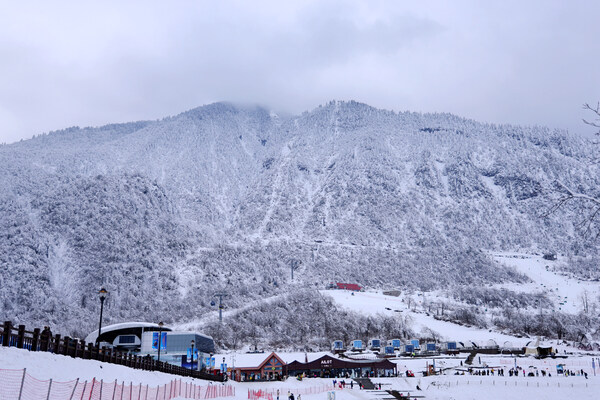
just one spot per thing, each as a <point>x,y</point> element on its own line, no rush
<point>220,296</point>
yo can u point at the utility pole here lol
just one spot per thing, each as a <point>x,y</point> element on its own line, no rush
<point>220,296</point>
<point>294,264</point>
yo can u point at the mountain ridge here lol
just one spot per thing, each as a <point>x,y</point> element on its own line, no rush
<point>222,197</point>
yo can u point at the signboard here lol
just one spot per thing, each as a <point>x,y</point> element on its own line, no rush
<point>209,362</point>
<point>163,345</point>
<point>189,355</point>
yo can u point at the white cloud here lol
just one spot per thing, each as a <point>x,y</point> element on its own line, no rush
<point>80,63</point>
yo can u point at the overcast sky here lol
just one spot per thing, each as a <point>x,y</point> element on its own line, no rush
<point>92,63</point>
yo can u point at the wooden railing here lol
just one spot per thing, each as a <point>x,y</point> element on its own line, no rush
<point>38,340</point>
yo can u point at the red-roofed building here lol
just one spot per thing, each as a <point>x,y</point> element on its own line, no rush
<point>349,286</point>
<point>272,368</point>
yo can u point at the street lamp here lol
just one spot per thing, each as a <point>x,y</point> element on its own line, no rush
<point>160,326</point>
<point>192,364</point>
<point>102,294</point>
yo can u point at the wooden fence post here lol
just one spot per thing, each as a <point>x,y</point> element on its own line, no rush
<point>56,344</point>
<point>66,342</point>
<point>45,339</point>
<point>75,347</point>
<point>21,336</point>
<point>7,332</point>
<point>36,339</point>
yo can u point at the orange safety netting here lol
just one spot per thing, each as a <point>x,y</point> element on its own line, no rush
<point>18,385</point>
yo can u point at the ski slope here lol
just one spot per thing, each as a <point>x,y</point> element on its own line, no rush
<point>559,288</point>
<point>377,303</point>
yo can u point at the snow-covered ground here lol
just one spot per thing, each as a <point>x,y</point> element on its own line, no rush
<point>566,294</point>
<point>378,303</point>
<point>443,387</point>
<point>559,288</point>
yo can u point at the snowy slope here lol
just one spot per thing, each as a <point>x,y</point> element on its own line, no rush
<point>377,303</point>
<point>559,287</point>
<point>442,387</point>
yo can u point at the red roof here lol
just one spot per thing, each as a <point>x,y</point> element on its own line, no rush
<point>349,286</point>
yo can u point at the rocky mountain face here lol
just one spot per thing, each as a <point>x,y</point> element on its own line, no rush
<point>224,198</point>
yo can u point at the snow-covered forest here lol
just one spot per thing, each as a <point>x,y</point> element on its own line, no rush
<point>167,213</point>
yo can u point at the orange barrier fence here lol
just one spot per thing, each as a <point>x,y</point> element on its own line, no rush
<point>271,394</point>
<point>19,385</point>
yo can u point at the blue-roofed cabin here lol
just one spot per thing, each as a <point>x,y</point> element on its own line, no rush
<point>415,344</point>
<point>451,347</point>
<point>357,345</point>
<point>430,347</point>
<point>375,344</point>
<point>338,346</point>
<point>395,343</point>
<point>389,351</point>
<point>409,349</point>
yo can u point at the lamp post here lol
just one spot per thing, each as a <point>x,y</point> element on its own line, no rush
<point>160,326</point>
<point>102,294</point>
<point>192,364</point>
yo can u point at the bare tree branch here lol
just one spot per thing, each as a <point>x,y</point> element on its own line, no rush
<point>596,122</point>
<point>567,194</point>
<point>570,194</point>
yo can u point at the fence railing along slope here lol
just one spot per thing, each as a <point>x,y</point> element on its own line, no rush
<point>38,340</point>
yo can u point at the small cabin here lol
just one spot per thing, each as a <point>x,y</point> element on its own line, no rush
<point>395,343</point>
<point>357,345</point>
<point>375,344</point>
<point>408,349</point>
<point>415,344</point>
<point>349,286</point>
<point>451,347</point>
<point>389,351</point>
<point>430,347</point>
<point>338,346</point>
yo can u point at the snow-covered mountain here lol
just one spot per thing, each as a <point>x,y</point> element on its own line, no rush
<point>224,198</point>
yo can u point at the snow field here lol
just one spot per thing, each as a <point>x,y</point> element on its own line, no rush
<point>559,288</point>
<point>377,303</point>
<point>45,366</point>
